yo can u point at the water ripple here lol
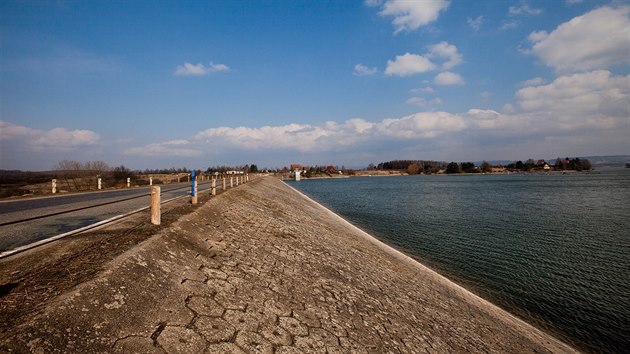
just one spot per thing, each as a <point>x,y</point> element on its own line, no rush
<point>554,249</point>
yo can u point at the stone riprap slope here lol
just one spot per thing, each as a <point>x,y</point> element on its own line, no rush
<point>263,269</point>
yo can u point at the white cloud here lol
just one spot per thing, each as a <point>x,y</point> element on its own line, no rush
<point>595,97</point>
<point>582,104</point>
<point>296,136</point>
<point>423,102</point>
<point>166,149</point>
<point>362,70</point>
<point>484,118</point>
<point>537,81</point>
<point>524,9</point>
<point>446,51</point>
<point>409,64</point>
<point>426,125</point>
<point>475,23</point>
<point>486,94</point>
<point>189,69</point>
<point>331,135</point>
<point>596,40</point>
<point>448,78</point>
<point>410,15</point>
<point>373,3</point>
<point>57,139</point>
<point>538,36</point>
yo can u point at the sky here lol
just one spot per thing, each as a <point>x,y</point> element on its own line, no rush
<point>160,84</point>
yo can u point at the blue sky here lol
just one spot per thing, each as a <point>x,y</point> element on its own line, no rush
<point>162,84</point>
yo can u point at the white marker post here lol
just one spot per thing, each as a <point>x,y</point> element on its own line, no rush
<point>193,192</point>
<point>54,186</point>
<point>128,182</point>
<point>150,181</point>
<point>214,186</point>
<point>156,215</point>
<point>100,185</point>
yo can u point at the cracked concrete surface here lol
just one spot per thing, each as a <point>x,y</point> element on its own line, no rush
<point>262,269</point>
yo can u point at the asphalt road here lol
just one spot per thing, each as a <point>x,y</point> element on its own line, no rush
<point>15,233</point>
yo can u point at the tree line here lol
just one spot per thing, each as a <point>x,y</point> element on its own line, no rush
<point>414,167</point>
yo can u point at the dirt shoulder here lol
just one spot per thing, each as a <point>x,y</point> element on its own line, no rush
<point>30,280</point>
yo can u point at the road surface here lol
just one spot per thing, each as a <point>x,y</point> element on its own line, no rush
<point>23,222</point>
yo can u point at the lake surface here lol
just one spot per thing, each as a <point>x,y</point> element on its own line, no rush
<point>553,249</point>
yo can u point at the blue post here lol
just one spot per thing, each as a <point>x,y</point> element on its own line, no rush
<point>192,183</point>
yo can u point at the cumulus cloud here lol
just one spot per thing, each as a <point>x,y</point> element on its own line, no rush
<point>421,125</point>
<point>362,70</point>
<point>423,102</point>
<point>200,69</point>
<point>57,139</point>
<point>178,148</point>
<point>411,15</point>
<point>596,40</point>
<point>533,82</point>
<point>446,51</point>
<point>584,104</point>
<point>448,78</point>
<point>597,97</point>
<point>332,135</point>
<point>409,64</point>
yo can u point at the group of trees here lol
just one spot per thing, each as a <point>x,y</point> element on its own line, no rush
<point>413,167</point>
<point>223,168</point>
<point>74,169</point>
<point>528,165</point>
<point>76,175</point>
<point>575,164</point>
<point>468,167</point>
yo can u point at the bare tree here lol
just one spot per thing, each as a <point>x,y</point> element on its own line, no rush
<point>82,175</point>
<point>97,166</point>
<point>69,166</point>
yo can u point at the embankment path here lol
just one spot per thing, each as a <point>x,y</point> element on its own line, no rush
<point>263,269</point>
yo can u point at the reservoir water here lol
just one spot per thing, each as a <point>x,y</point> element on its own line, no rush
<point>553,249</point>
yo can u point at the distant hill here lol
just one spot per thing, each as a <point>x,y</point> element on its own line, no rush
<point>608,161</point>
<point>596,161</point>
